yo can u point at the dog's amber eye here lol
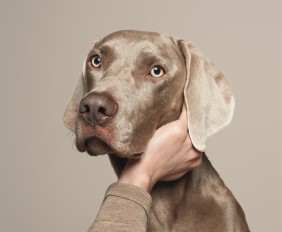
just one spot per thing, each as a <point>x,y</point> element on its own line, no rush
<point>157,71</point>
<point>96,61</point>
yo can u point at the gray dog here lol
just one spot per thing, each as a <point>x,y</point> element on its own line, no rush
<point>133,83</point>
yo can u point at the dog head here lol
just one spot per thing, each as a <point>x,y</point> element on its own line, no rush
<point>134,82</point>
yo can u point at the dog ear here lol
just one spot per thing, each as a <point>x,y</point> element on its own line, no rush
<point>71,111</point>
<point>210,103</point>
<point>72,107</point>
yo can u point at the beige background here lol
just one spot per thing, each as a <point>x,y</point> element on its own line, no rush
<point>46,185</point>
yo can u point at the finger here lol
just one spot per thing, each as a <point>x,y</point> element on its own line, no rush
<point>175,176</point>
<point>196,162</point>
<point>182,121</point>
<point>183,116</point>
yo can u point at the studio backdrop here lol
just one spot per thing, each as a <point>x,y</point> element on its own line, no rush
<point>47,185</point>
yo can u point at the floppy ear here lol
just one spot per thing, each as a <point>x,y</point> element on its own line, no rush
<point>71,111</point>
<point>72,107</point>
<point>210,103</point>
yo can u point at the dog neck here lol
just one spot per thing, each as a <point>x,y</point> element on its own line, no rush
<point>196,193</point>
<point>195,180</point>
<point>200,193</point>
<point>117,163</point>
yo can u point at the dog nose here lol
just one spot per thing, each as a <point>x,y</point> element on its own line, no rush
<point>97,108</point>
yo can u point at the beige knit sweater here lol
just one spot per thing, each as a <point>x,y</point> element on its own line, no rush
<point>125,208</point>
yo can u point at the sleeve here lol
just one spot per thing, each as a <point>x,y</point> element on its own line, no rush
<point>125,208</point>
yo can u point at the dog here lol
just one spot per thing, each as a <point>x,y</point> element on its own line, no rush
<point>134,82</point>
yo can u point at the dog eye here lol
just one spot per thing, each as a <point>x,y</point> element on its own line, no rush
<point>157,71</point>
<point>96,61</point>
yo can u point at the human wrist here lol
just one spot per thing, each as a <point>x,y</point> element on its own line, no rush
<point>138,178</point>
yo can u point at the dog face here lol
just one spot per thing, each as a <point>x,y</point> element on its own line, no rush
<point>134,82</point>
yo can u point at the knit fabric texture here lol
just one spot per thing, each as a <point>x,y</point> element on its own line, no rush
<point>125,208</point>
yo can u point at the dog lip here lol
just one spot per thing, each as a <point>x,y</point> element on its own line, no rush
<point>137,155</point>
<point>97,146</point>
<point>80,146</point>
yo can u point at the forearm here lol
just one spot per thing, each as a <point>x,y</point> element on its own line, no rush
<point>125,208</point>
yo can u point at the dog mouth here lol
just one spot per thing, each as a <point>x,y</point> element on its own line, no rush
<point>101,141</point>
<point>137,155</point>
<point>94,146</point>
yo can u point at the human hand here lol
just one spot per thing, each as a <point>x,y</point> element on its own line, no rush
<point>168,156</point>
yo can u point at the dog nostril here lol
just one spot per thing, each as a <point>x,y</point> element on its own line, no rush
<point>84,109</point>
<point>102,110</point>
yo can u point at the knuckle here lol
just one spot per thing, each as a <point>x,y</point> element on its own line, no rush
<point>197,153</point>
<point>198,162</point>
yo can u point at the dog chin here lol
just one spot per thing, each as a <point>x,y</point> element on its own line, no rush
<point>94,146</point>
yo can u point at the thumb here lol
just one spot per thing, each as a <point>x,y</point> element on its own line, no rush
<point>183,117</point>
